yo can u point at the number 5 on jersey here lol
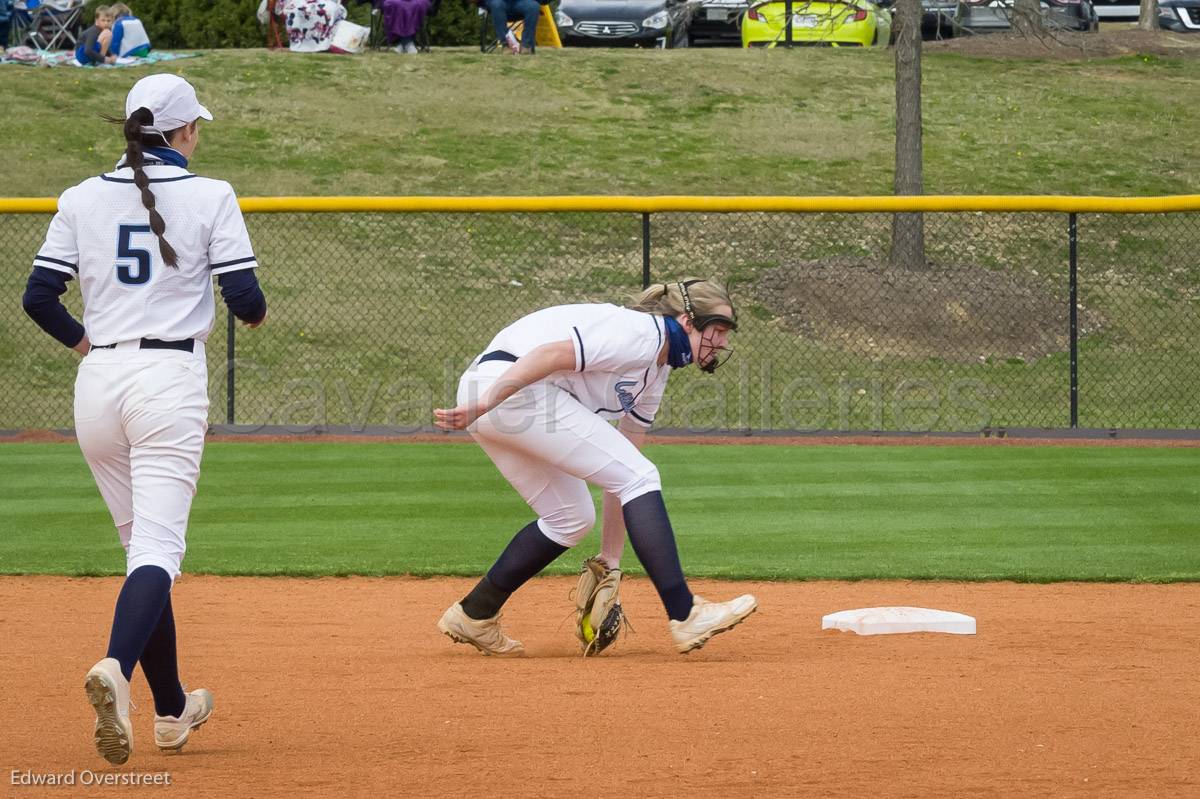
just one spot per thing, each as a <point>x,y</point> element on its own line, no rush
<point>137,272</point>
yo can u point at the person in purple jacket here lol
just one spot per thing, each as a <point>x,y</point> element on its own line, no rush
<point>402,19</point>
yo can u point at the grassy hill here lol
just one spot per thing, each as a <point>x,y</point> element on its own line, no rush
<point>611,121</point>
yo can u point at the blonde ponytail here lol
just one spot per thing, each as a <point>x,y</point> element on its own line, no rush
<point>667,298</point>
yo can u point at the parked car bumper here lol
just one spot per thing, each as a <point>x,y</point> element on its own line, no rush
<point>985,19</point>
<point>716,22</point>
<point>1117,10</point>
<point>855,34</point>
<point>610,34</point>
<point>1180,17</point>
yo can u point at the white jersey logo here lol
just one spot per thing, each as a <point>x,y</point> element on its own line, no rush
<point>624,395</point>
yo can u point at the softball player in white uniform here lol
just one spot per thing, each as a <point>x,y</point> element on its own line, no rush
<point>537,401</point>
<point>144,242</point>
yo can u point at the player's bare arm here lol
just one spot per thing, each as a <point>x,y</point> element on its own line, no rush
<point>538,364</point>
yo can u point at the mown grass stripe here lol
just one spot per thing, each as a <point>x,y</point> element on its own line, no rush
<point>754,512</point>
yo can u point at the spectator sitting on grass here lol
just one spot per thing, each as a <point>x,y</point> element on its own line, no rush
<point>94,42</point>
<point>129,38</point>
<point>527,10</point>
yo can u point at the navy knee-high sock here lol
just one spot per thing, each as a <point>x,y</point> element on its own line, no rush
<point>161,668</point>
<point>653,542</point>
<point>139,607</point>
<point>528,553</point>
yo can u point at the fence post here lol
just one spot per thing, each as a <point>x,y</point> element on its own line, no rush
<point>787,23</point>
<point>1073,282</point>
<point>229,366</point>
<point>645,251</point>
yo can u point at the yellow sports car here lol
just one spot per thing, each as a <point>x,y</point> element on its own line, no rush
<point>848,23</point>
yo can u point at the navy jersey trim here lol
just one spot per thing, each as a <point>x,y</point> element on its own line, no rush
<point>645,382</point>
<point>582,358</point>
<point>233,262</point>
<point>641,418</point>
<point>657,330</point>
<point>632,413</point>
<point>152,180</point>
<point>50,260</point>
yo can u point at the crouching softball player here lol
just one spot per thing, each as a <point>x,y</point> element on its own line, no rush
<point>536,400</point>
<point>145,241</point>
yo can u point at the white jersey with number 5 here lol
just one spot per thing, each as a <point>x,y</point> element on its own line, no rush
<point>101,234</point>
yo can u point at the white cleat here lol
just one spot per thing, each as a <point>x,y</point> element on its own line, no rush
<point>709,618</point>
<point>483,634</point>
<point>108,691</point>
<point>171,732</point>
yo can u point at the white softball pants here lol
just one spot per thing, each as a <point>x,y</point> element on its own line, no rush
<point>140,418</point>
<point>549,447</point>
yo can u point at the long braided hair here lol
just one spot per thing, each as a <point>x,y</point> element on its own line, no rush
<point>135,142</point>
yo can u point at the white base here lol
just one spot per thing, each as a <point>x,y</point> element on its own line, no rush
<point>884,621</point>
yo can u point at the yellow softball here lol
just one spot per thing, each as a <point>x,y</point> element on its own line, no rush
<point>585,626</point>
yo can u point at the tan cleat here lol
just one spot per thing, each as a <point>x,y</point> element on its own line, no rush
<point>483,634</point>
<point>171,732</point>
<point>108,691</point>
<point>709,618</point>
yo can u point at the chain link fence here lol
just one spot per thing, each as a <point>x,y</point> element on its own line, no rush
<point>375,315</point>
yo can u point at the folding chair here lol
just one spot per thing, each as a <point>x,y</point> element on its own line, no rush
<point>423,36</point>
<point>376,40</point>
<point>47,24</point>
<point>547,30</point>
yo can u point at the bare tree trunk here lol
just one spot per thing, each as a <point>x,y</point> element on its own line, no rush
<point>908,230</point>
<point>1027,17</point>
<point>1148,15</point>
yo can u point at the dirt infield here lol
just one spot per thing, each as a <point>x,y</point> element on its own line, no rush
<point>344,686</point>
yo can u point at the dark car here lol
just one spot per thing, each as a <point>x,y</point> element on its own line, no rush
<point>714,22</point>
<point>1182,16</point>
<point>985,16</point>
<point>937,17</point>
<point>616,23</point>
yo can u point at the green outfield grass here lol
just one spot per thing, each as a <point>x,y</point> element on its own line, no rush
<point>746,512</point>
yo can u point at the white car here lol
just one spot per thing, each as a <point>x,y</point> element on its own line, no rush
<point>1117,10</point>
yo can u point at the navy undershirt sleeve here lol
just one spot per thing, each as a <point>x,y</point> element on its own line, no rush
<point>243,295</point>
<point>41,302</point>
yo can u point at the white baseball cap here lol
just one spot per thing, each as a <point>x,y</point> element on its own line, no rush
<point>170,98</point>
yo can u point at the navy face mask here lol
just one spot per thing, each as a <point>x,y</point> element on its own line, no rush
<point>679,346</point>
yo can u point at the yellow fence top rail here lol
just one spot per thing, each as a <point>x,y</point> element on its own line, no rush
<point>684,204</point>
